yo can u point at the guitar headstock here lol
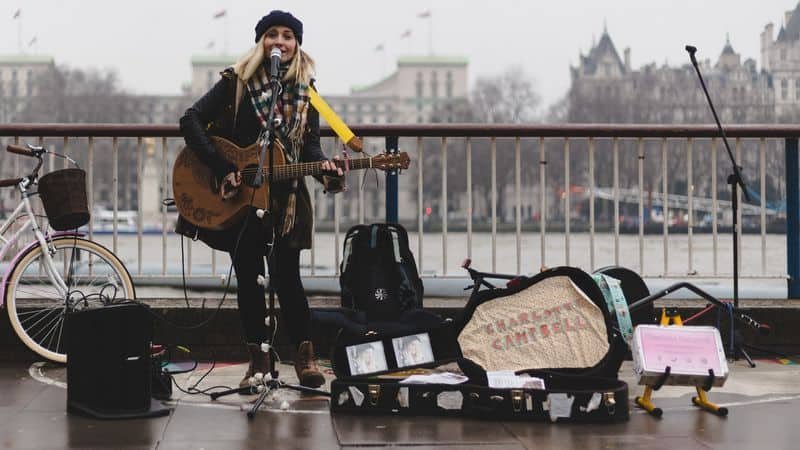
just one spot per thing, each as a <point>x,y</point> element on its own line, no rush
<point>391,161</point>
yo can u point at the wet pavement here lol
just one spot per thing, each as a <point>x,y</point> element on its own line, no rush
<point>763,403</point>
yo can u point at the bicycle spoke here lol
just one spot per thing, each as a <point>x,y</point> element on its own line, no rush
<point>38,305</point>
<point>47,313</point>
<point>60,333</point>
<point>38,317</point>
<point>36,313</point>
<point>41,293</point>
<point>57,327</point>
<point>44,328</point>
<point>51,333</point>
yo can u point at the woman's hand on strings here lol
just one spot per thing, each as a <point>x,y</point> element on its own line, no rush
<point>329,166</point>
<point>230,185</point>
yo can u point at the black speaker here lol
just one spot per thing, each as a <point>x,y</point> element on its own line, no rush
<point>108,362</point>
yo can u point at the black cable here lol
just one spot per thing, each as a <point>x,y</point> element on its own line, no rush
<point>185,293</point>
<point>183,280</point>
<point>192,390</point>
<point>770,352</point>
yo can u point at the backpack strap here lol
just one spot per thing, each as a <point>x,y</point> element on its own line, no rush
<point>373,238</point>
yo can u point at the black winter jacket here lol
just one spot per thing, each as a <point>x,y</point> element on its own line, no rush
<point>213,115</point>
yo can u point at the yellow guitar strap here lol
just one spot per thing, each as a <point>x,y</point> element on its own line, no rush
<point>336,123</point>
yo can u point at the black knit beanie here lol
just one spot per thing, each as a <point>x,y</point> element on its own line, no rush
<point>284,18</point>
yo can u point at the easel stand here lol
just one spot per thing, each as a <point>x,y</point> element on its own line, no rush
<point>701,401</point>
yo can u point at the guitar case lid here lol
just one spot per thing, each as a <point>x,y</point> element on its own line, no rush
<point>555,321</point>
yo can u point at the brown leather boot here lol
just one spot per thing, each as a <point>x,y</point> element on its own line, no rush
<point>259,362</point>
<point>306,367</point>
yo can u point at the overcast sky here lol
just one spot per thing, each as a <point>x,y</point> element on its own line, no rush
<point>150,43</point>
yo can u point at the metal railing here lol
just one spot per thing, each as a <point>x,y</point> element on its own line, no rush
<point>540,210</point>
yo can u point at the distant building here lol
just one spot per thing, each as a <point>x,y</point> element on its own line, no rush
<point>18,74</point>
<point>606,89</point>
<point>422,89</point>
<point>205,72</point>
<point>780,58</point>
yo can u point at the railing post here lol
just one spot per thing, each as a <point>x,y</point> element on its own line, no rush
<point>391,184</point>
<point>793,217</point>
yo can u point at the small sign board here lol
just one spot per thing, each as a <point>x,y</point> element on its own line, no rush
<point>689,351</point>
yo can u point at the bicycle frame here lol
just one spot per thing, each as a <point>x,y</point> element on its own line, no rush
<point>24,208</point>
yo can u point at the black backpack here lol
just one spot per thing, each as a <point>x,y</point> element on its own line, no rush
<point>378,272</point>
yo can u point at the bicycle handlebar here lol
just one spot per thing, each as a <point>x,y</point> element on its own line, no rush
<point>24,151</point>
<point>20,150</point>
<point>10,182</point>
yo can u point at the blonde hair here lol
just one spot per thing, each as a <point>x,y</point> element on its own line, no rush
<point>301,69</point>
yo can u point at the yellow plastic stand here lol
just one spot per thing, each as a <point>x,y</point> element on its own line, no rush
<point>701,401</point>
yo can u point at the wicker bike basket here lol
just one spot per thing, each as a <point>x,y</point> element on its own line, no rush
<point>63,193</point>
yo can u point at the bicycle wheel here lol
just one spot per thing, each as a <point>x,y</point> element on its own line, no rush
<point>94,276</point>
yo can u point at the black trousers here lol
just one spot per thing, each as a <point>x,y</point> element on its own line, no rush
<point>248,262</point>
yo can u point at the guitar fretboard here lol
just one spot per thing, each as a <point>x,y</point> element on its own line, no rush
<point>290,171</point>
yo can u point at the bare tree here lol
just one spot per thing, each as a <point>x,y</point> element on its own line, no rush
<point>68,95</point>
<point>509,97</point>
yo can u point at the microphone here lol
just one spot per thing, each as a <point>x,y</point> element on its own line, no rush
<point>692,50</point>
<point>275,61</point>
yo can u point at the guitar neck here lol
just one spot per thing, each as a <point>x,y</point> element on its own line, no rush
<point>299,170</point>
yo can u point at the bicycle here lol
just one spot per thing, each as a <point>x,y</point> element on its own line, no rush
<point>57,273</point>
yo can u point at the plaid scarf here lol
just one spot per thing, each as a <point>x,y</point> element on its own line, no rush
<point>292,105</point>
<point>291,108</point>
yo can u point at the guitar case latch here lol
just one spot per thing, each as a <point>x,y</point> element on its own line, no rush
<point>516,400</point>
<point>374,391</point>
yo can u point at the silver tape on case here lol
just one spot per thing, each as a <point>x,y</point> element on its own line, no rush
<point>358,396</point>
<point>560,405</point>
<point>450,400</point>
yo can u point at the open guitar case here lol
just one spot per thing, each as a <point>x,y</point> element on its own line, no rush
<point>553,326</point>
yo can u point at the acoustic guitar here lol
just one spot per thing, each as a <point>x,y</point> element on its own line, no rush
<point>197,191</point>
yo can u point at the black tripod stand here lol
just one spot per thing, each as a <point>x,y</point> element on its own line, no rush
<point>270,381</point>
<point>735,180</point>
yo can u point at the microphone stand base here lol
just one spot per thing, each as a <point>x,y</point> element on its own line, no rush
<point>274,385</point>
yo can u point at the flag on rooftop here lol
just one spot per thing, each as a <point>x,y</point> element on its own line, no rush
<point>220,14</point>
<point>405,34</point>
<point>17,14</point>
<point>424,14</point>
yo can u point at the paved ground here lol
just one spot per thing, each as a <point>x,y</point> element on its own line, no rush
<point>763,402</point>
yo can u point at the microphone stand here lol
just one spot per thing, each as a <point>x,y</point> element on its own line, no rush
<point>735,181</point>
<point>270,381</point>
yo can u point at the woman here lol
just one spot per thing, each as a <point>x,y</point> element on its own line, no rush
<point>236,108</point>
